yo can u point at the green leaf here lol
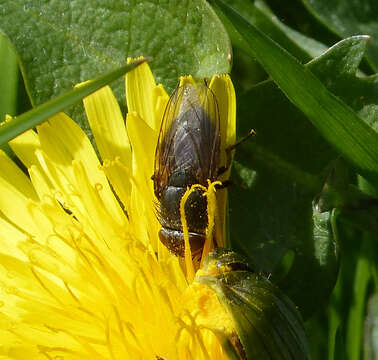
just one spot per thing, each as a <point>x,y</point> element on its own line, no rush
<point>338,69</point>
<point>246,72</point>
<point>28,120</point>
<point>315,269</point>
<point>8,83</point>
<point>337,123</point>
<point>62,43</point>
<point>347,18</point>
<point>290,159</point>
<point>9,79</point>
<point>371,329</point>
<point>308,45</point>
<point>275,214</point>
<point>284,135</point>
<point>354,328</point>
<point>285,142</point>
<point>348,304</point>
<point>259,14</point>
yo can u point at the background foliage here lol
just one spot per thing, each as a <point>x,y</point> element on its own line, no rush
<point>303,206</point>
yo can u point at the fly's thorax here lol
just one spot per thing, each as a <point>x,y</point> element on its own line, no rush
<point>183,178</point>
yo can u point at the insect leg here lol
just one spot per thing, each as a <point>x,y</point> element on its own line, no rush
<point>232,147</point>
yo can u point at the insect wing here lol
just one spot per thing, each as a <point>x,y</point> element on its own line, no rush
<point>189,138</point>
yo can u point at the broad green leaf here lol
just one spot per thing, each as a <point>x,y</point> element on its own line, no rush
<point>61,43</point>
<point>338,70</point>
<point>337,122</point>
<point>28,120</point>
<point>347,18</point>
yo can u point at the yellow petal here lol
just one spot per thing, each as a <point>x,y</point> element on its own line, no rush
<point>106,220</point>
<point>160,100</point>
<point>63,141</point>
<point>59,183</point>
<point>108,128</point>
<point>186,80</point>
<point>17,197</point>
<point>119,177</point>
<point>12,174</point>
<point>7,232</point>
<point>143,141</point>
<point>224,92</point>
<point>14,206</point>
<point>40,182</point>
<point>140,85</point>
<point>25,145</point>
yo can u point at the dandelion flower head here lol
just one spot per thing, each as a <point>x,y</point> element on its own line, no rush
<point>82,272</point>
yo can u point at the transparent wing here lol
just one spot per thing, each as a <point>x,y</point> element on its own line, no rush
<point>189,138</point>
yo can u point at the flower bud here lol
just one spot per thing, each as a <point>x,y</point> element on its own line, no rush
<point>267,323</point>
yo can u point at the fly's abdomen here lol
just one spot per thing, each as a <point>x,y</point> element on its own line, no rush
<point>171,234</point>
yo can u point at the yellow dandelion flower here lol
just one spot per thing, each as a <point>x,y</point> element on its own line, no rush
<point>82,273</point>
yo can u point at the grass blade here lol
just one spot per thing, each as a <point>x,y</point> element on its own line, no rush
<point>28,120</point>
<point>355,140</point>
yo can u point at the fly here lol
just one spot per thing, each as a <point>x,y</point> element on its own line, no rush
<point>187,153</point>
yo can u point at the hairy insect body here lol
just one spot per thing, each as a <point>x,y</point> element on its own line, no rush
<point>187,154</point>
